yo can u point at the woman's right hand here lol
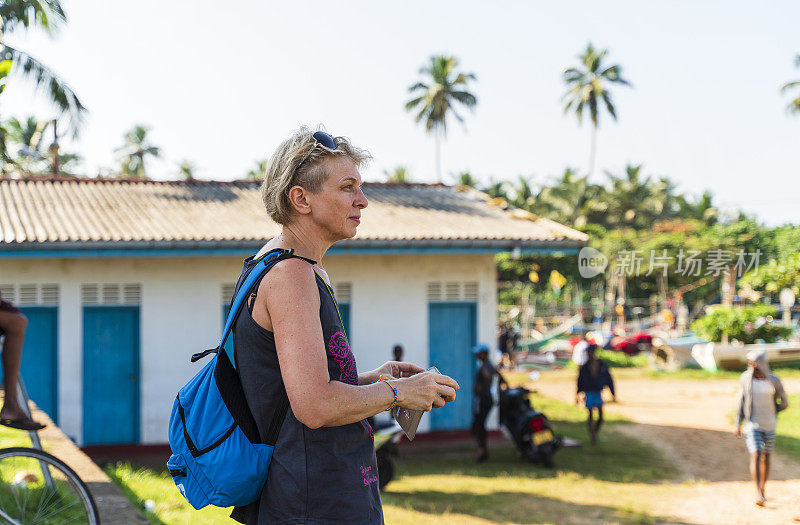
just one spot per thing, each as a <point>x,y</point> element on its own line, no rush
<point>425,391</point>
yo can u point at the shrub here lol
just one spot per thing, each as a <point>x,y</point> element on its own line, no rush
<point>745,324</point>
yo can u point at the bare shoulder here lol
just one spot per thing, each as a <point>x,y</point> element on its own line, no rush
<point>290,279</point>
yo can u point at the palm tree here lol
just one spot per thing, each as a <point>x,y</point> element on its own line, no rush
<point>187,169</point>
<point>523,194</point>
<point>259,171</point>
<point>135,151</point>
<point>496,189</point>
<point>466,178</point>
<point>588,85</point>
<point>571,200</point>
<point>68,164</point>
<point>794,105</point>
<point>27,134</point>
<point>397,174</point>
<point>636,201</point>
<point>48,16</point>
<point>701,209</point>
<point>436,97</point>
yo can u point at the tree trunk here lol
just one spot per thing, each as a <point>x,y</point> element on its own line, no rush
<point>592,151</point>
<point>54,149</point>
<point>438,136</point>
<point>728,286</point>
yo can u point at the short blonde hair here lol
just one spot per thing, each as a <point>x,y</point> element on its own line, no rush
<point>284,170</point>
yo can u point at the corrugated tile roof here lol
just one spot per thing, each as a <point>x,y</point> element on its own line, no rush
<point>41,213</point>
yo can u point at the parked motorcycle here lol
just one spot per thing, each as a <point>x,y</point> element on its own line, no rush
<point>387,435</point>
<point>529,429</point>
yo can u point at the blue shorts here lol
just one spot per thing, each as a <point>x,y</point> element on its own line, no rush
<point>594,399</point>
<point>759,440</point>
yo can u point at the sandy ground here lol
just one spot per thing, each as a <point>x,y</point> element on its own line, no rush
<point>689,421</point>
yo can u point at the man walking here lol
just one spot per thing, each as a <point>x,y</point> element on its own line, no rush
<point>761,397</point>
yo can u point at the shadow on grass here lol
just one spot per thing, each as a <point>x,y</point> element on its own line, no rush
<point>504,507</point>
<point>617,458</point>
<point>136,501</point>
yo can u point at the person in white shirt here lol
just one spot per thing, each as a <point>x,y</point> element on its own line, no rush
<point>761,397</point>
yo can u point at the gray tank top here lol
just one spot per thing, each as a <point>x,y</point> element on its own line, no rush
<point>317,476</point>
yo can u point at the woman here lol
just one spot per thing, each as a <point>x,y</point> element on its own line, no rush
<point>593,377</point>
<point>761,397</point>
<point>290,339</point>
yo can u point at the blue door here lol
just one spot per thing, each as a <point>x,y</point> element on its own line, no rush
<point>451,336</point>
<point>39,367</point>
<point>110,374</point>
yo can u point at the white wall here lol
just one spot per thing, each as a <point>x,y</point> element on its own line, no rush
<point>181,313</point>
<point>390,304</point>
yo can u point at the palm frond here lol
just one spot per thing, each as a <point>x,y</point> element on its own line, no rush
<point>59,93</point>
<point>45,14</point>
<point>465,97</point>
<point>609,105</point>
<point>790,85</point>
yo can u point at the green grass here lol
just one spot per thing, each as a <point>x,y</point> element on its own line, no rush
<point>10,437</point>
<point>787,437</point>
<point>788,370</point>
<point>449,486</point>
<point>142,484</point>
<point>509,489</point>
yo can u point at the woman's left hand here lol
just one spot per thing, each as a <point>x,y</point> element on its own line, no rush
<point>397,369</point>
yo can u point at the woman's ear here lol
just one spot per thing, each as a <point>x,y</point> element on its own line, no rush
<point>298,196</point>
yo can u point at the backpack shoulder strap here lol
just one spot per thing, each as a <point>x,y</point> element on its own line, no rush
<point>251,281</point>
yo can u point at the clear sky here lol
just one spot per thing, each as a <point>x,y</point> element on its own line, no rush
<point>221,84</point>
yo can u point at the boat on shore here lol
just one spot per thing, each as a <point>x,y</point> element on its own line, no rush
<point>713,356</point>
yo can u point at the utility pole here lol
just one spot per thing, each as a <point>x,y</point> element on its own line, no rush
<point>54,149</point>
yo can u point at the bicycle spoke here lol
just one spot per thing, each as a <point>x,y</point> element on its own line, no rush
<point>58,496</point>
<point>44,493</point>
<point>55,511</point>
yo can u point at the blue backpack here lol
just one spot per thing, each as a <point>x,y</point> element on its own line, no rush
<point>217,454</point>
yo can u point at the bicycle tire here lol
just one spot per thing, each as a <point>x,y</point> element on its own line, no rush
<point>54,464</point>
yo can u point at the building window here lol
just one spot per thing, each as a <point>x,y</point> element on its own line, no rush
<point>344,292</point>
<point>452,291</point>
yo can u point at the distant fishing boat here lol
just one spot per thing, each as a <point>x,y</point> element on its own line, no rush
<point>713,356</point>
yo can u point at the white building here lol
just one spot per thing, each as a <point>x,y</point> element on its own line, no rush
<point>122,281</point>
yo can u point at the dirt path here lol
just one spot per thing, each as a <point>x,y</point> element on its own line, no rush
<point>689,422</point>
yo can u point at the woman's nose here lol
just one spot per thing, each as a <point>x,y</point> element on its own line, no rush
<point>361,199</point>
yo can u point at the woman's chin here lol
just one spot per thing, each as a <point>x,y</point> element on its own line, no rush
<point>347,233</point>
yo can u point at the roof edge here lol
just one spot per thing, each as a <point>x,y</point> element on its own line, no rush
<point>70,249</point>
<point>201,182</point>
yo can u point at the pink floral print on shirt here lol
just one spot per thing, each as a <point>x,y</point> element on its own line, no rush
<point>342,354</point>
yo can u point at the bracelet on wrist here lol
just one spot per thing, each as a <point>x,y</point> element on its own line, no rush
<point>385,379</point>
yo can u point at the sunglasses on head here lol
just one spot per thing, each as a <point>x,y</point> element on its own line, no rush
<point>320,139</point>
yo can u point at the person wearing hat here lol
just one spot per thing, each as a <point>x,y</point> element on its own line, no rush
<point>760,398</point>
<point>482,398</point>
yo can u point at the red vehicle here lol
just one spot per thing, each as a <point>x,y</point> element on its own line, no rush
<point>630,344</point>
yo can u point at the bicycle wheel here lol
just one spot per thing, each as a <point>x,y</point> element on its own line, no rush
<point>37,487</point>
